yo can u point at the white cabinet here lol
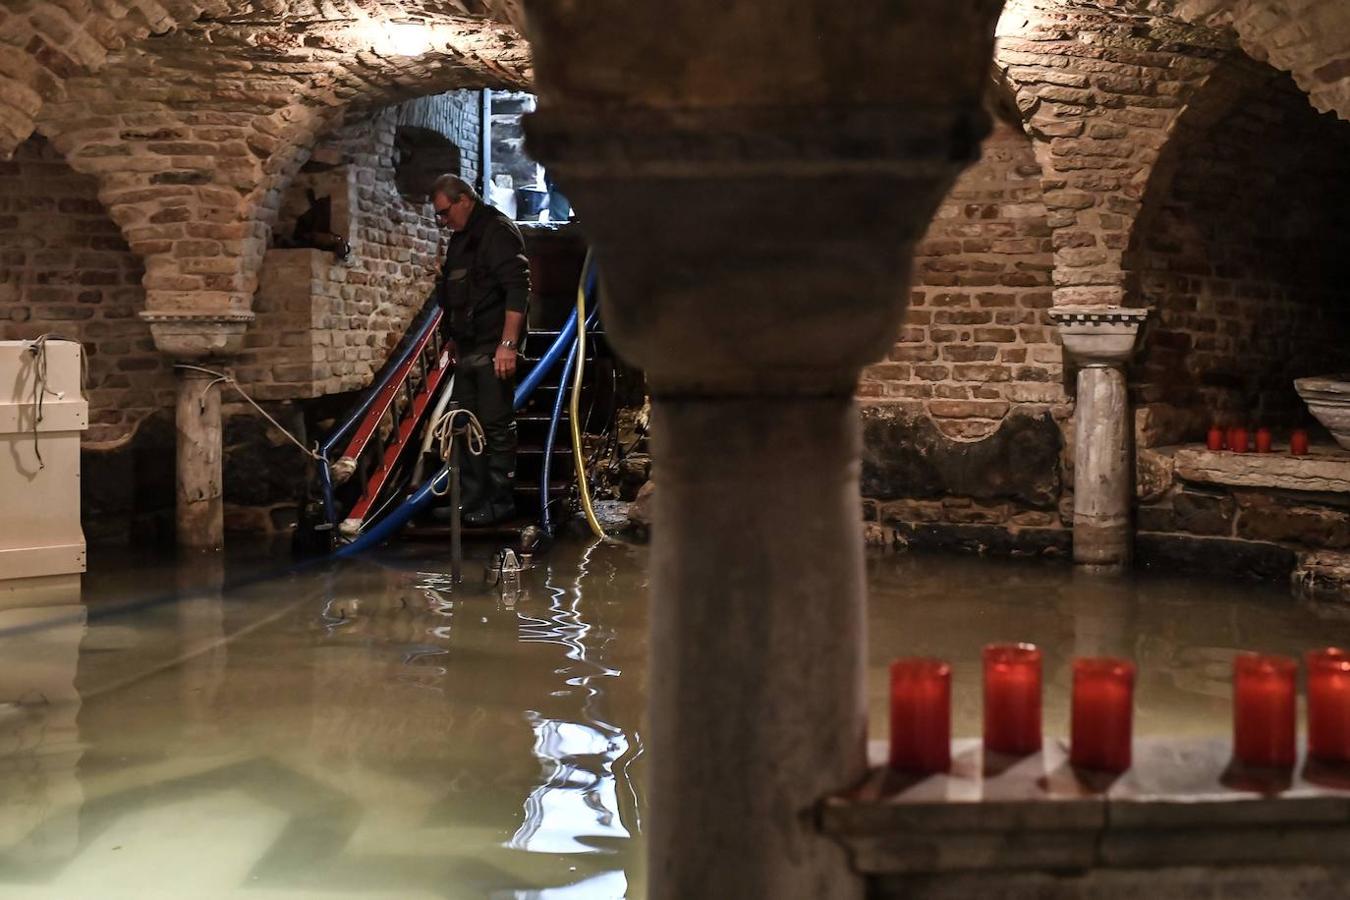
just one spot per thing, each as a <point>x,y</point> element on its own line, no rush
<point>40,459</point>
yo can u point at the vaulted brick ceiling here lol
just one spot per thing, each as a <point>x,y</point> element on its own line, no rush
<point>247,53</point>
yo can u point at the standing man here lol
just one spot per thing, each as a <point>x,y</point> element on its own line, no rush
<point>484,290</point>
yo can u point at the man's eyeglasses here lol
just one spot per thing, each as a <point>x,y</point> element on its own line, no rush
<point>443,215</point>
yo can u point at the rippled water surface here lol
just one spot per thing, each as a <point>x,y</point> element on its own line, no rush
<point>368,729</point>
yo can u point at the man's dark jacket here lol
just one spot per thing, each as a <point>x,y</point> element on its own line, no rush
<point>485,274</point>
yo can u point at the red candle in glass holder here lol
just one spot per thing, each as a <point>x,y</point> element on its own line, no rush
<point>1298,442</point>
<point>1237,439</point>
<point>1012,698</point>
<point>1264,710</point>
<point>1214,438</point>
<point>1103,714</point>
<point>1329,705</point>
<point>1263,440</point>
<point>921,715</point>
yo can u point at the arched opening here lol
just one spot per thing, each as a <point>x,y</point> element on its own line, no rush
<point>1241,257</point>
<point>65,269</point>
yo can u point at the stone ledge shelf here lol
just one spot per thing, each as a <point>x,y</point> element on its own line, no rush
<point>1326,469</point>
<point>1183,805</point>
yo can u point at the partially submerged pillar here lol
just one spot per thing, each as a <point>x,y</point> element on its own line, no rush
<point>203,340</point>
<point>754,185</point>
<point>1100,341</point>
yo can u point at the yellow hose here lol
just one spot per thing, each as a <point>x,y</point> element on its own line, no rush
<point>574,411</point>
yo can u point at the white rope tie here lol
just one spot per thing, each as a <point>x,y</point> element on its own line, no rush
<point>40,390</point>
<point>223,378</point>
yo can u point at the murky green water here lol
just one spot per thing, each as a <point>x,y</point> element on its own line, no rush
<point>367,730</point>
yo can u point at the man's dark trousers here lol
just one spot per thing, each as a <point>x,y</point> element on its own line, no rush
<point>489,478</point>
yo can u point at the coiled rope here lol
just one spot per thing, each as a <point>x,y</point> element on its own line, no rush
<point>444,431</point>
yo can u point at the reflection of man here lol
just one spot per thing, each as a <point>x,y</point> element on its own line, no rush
<point>484,290</point>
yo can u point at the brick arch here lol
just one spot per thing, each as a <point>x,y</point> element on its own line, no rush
<point>46,45</point>
<point>193,159</point>
<point>1098,101</point>
<point>1309,39</point>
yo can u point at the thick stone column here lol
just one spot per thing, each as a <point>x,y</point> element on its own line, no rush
<point>753,182</point>
<point>198,339</point>
<point>1100,341</point>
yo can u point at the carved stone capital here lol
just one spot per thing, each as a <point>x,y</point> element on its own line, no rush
<point>757,251</point>
<point>196,335</point>
<point>1098,335</point>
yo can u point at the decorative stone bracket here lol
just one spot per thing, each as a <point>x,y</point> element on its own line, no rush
<point>195,335</point>
<point>1098,335</point>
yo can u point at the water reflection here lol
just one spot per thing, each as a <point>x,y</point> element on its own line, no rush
<point>584,758</point>
<point>370,728</point>
<point>40,749</point>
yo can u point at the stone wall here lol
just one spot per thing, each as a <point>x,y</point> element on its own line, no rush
<point>1243,263</point>
<point>65,268</point>
<point>963,423</point>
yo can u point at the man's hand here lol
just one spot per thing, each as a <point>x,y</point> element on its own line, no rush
<point>448,345</point>
<point>504,362</point>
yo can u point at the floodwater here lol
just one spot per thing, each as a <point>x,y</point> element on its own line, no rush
<point>368,729</point>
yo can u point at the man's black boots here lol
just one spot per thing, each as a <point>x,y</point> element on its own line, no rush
<point>501,492</point>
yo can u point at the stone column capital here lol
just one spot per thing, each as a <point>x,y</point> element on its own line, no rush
<point>1098,335</point>
<point>756,251</point>
<point>197,335</point>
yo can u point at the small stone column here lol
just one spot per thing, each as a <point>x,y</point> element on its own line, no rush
<point>199,339</point>
<point>1100,341</point>
<point>200,504</point>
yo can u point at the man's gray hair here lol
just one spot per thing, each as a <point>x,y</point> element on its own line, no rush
<point>452,187</point>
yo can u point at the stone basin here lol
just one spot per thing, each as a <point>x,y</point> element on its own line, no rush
<point>1328,399</point>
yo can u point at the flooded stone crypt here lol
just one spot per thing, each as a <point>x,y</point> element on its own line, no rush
<point>890,330</point>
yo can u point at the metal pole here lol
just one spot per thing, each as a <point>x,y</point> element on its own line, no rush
<point>456,549</point>
<point>485,146</point>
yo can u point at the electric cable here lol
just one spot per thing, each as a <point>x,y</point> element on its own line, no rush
<point>574,410</point>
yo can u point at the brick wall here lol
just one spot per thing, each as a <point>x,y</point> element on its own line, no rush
<point>963,421</point>
<point>325,326</point>
<point>1243,261</point>
<point>65,268</point>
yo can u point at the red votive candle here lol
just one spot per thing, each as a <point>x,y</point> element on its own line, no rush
<point>1103,714</point>
<point>1329,705</point>
<point>1264,710</point>
<point>1298,442</point>
<point>1012,698</point>
<point>1214,438</point>
<point>1237,439</point>
<point>921,715</point>
<point>1263,440</point>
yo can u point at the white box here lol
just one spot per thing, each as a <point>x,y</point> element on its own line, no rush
<point>40,531</point>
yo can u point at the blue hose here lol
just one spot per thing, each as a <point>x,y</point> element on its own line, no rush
<point>545,475</point>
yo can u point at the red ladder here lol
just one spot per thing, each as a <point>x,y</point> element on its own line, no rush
<point>405,399</point>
